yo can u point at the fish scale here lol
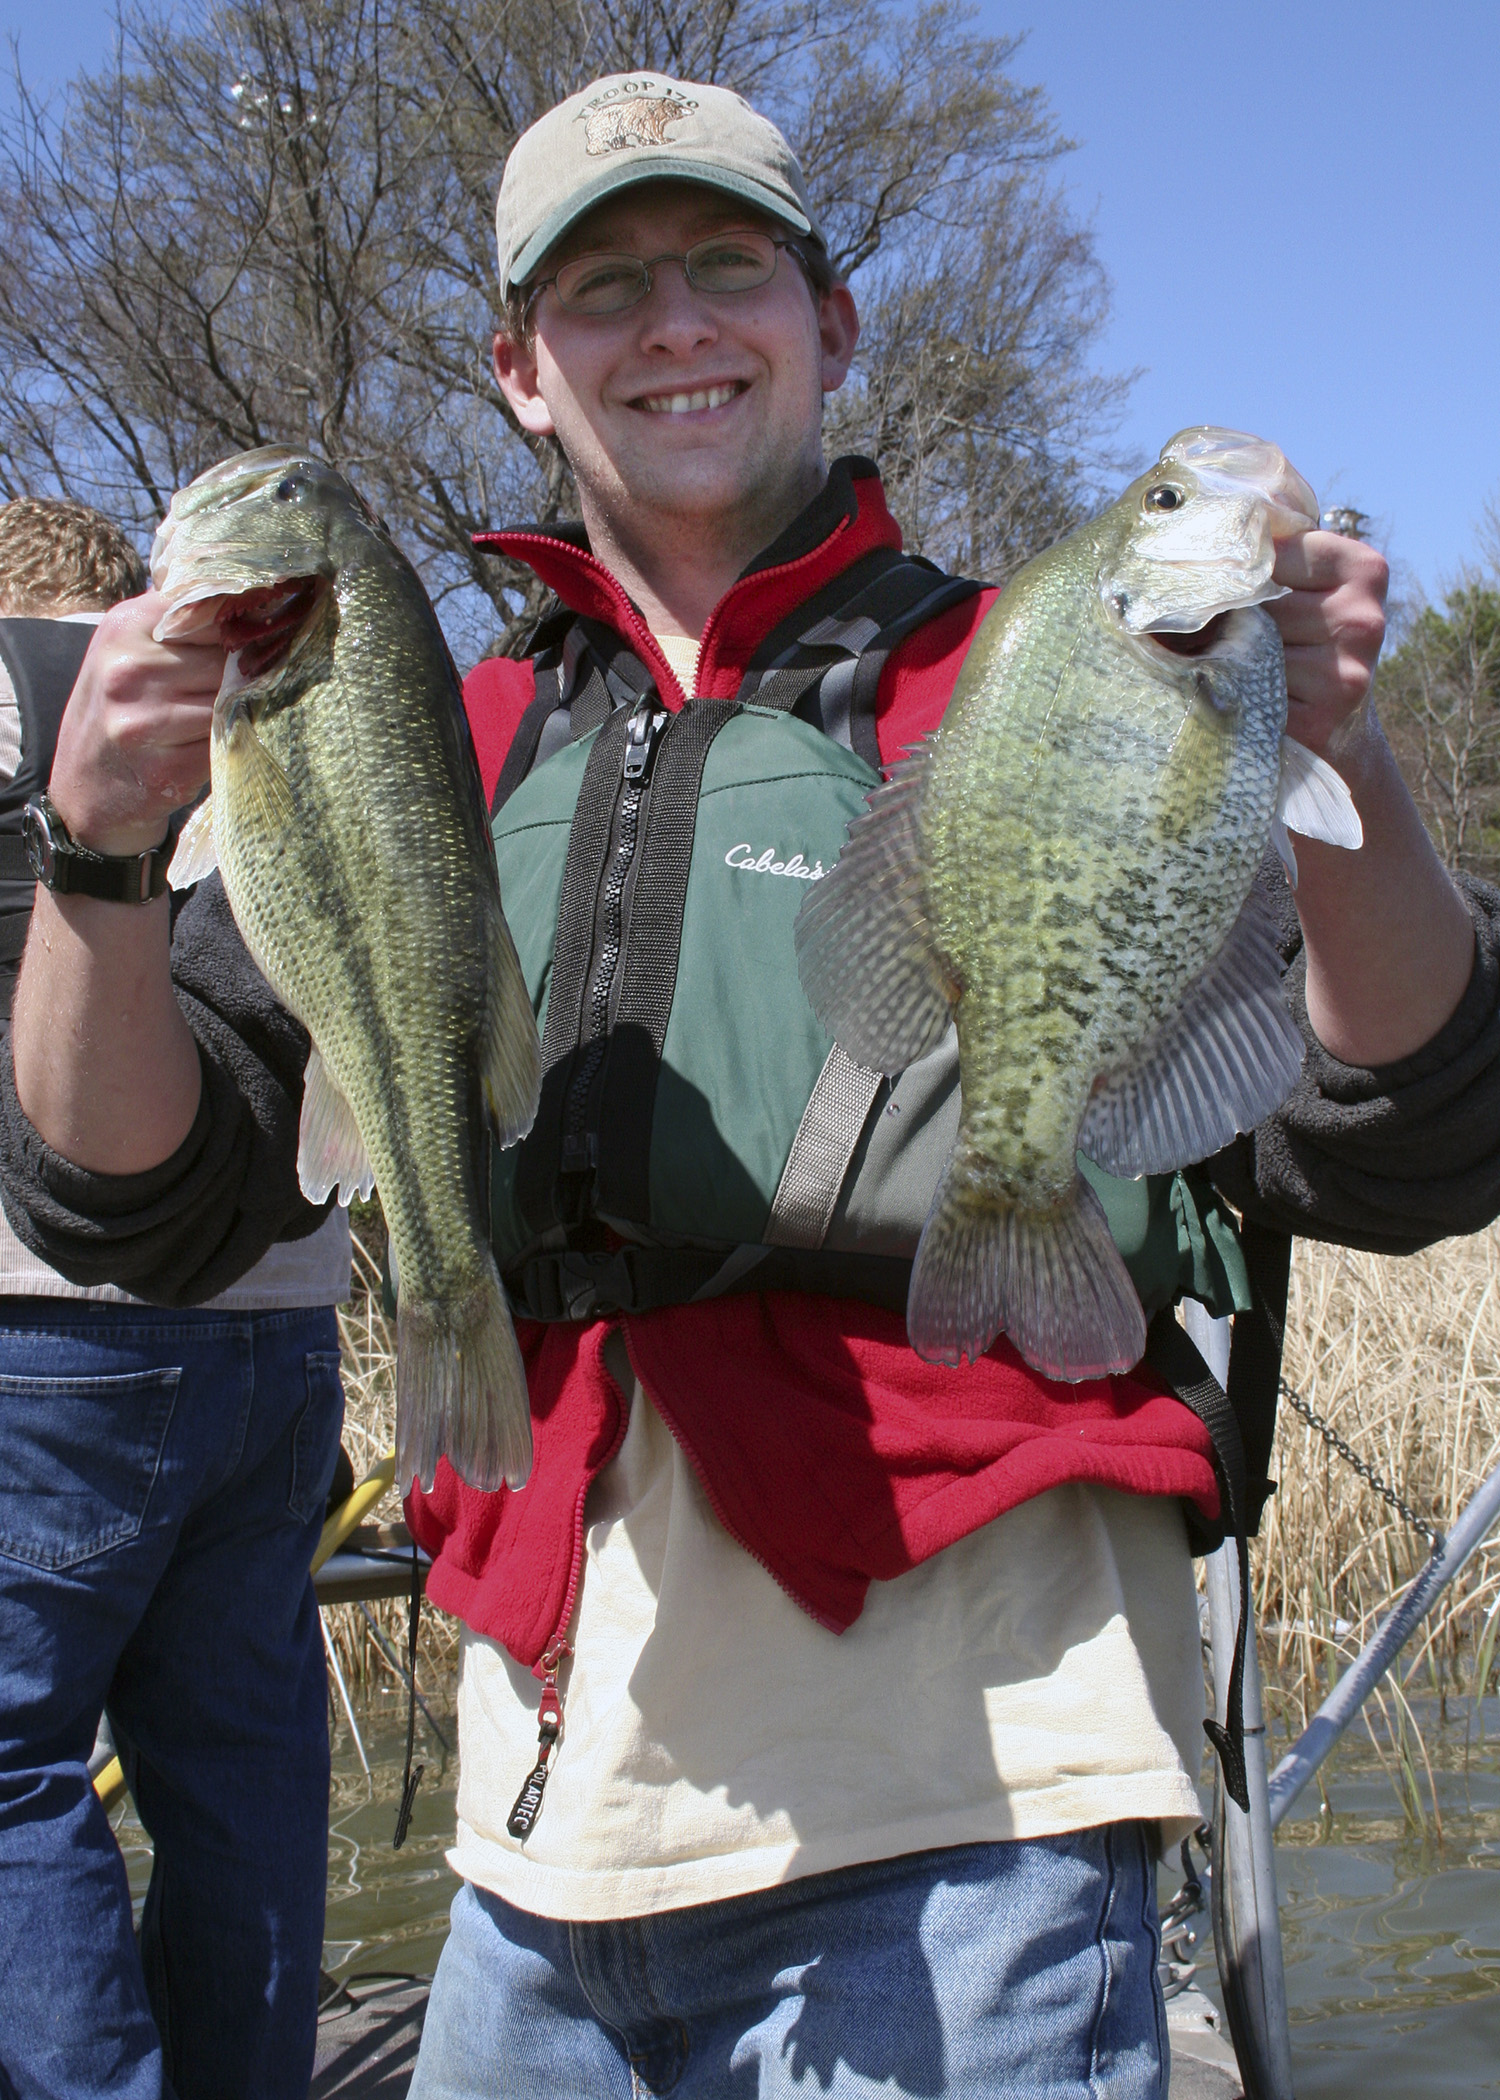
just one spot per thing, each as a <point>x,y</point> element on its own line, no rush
<point>1065,868</point>
<point>349,827</point>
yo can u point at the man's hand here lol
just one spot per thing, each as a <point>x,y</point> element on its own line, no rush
<point>1389,940</point>
<point>106,1067</point>
<point>1332,627</point>
<point>133,745</point>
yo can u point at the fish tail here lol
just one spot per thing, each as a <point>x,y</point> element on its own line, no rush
<point>461,1391</point>
<point>1053,1280</point>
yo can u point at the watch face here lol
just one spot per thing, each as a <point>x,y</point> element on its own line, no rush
<point>37,839</point>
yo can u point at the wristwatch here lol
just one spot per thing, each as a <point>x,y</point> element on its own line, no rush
<point>59,863</point>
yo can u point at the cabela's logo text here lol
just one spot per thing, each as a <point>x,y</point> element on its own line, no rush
<point>748,862</point>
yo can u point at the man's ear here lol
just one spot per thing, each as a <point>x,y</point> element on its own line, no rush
<point>838,332</point>
<point>515,370</point>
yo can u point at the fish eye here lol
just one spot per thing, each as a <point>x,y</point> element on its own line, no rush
<point>287,491</point>
<point>1163,497</point>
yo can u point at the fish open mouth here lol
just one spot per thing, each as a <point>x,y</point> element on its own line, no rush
<point>1202,639</point>
<point>260,626</point>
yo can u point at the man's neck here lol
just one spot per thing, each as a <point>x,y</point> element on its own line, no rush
<point>678,566</point>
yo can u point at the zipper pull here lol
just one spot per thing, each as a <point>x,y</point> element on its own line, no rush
<point>522,1819</point>
<point>641,732</point>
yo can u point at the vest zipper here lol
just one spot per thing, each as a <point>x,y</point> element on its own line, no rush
<point>580,1145</point>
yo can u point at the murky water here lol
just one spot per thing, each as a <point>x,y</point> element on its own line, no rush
<point>1392,1932</point>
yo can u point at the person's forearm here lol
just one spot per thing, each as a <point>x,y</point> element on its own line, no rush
<point>1389,939</point>
<point>107,1069</point>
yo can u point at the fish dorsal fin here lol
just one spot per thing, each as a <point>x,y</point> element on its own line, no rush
<point>330,1151</point>
<point>196,855</point>
<point>864,951</point>
<point>511,1067</point>
<point>1313,800</point>
<point>1228,1057</point>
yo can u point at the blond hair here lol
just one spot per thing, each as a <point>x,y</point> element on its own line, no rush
<point>57,557</point>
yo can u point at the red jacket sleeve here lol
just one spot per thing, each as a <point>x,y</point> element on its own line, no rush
<point>916,683</point>
<point>497,693</point>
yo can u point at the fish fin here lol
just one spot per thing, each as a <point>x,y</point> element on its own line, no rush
<point>1052,1280</point>
<point>259,784</point>
<point>1228,1057</point>
<point>195,854</point>
<point>1281,839</point>
<point>330,1151</point>
<point>1313,800</point>
<point>864,952</point>
<point>461,1391</point>
<point>511,1052</point>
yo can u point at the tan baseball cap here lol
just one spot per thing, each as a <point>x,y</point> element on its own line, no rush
<point>639,127</point>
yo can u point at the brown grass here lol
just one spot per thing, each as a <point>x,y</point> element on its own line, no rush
<point>369,1372</point>
<point>1403,1359</point>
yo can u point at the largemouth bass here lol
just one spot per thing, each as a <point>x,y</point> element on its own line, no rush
<point>1065,870</point>
<point>348,823</point>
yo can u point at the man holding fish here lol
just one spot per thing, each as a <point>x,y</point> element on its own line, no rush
<point>825,1699</point>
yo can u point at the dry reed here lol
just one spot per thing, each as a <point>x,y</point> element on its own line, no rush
<point>369,1373</point>
<point>1402,1358</point>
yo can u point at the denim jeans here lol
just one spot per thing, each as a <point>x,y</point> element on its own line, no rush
<point>1025,1969</point>
<point>162,1484</point>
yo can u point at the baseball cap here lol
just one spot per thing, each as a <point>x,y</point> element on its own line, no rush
<point>639,127</point>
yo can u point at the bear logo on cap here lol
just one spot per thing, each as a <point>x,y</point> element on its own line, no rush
<point>635,114</point>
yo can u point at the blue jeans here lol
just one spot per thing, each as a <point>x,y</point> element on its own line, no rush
<point>162,1483</point>
<point>1026,1969</point>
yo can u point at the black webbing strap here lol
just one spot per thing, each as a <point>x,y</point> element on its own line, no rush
<point>583,872</point>
<point>649,963</point>
<point>1175,1359</point>
<point>1255,1360</point>
<point>411,1779</point>
<point>528,735</point>
<point>586,1286</point>
<point>831,602</point>
<point>862,734</point>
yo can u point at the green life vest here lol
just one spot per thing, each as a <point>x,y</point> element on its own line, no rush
<point>699,1131</point>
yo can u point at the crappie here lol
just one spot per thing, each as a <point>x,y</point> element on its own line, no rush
<point>348,823</point>
<point>1064,869</point>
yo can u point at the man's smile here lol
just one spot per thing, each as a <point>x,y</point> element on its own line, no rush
<point>685,403</point>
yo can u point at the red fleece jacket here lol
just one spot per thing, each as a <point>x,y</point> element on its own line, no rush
<point>825,1445</point>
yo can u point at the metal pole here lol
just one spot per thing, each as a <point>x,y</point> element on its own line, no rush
<point>1376,1657</point>
<point>1245,1868</point>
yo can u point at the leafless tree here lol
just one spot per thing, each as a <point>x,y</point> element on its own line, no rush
<point>273,220</point>
<point>1440,695</point>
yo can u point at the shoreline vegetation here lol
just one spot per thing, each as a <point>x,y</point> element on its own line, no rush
<point>1400,1356</point>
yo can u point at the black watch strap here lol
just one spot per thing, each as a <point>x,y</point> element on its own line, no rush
<point>60,864</point>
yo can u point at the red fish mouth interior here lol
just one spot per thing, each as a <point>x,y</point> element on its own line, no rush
<point>262,625</point>
<point>1200,641</point>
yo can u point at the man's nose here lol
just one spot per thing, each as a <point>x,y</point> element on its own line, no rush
<point>675,315</point>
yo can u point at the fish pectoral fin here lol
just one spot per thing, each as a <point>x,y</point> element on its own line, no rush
<point>1219,1065</point>
<point>511,1052</point>
<point>257,784</point>
<point>1312,800</point>
<point>864,947</point>
<point>330,1151</point>
<point>195,854</point>
<point>1052,1280</point>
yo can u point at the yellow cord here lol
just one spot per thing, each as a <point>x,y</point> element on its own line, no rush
<point>109,1784</point>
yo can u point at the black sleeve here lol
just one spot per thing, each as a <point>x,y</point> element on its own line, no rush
<point>192,1226</point>
<point>1390,1159</point>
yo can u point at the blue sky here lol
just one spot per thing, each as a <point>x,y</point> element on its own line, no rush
<point>1299,208</point>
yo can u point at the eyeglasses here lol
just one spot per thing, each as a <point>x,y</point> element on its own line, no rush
<point>610,284</point>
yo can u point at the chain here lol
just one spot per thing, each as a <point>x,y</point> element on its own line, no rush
<point>1365,1471</point>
